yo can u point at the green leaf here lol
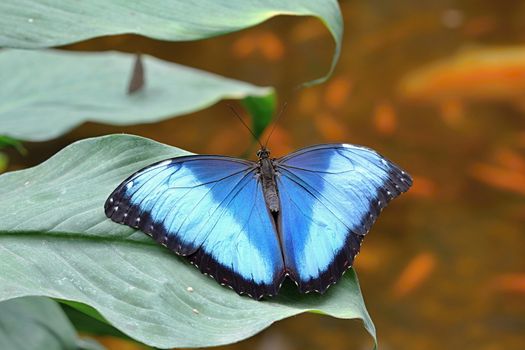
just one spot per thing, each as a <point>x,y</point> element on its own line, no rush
<point>54,91</point>
<point>56,241</point>
<point>84,309</point>
<point>37,323</point>
<point>263,107</point>
<point>46,23</point>
<point>6,142</point>
<point>87,324</point>
<point>4,162</point>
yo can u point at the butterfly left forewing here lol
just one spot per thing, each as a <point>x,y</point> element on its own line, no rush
<point>330,196</point>
<point>210,209</point>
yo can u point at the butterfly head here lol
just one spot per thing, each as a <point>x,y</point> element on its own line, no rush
<point>263,153</point>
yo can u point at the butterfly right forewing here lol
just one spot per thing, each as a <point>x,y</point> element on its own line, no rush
<point>330,195</point>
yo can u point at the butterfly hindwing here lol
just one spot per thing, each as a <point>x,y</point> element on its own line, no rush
<point>330,195</point>
<point>210,209</point>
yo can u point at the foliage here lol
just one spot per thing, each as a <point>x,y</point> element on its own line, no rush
<point>57,242</point>
<point>78,87</point>
<point>54,238</point>
<point>40,324</point>
<point>47,23</point>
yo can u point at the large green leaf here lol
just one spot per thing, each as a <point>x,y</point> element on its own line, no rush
<point>47,23</point>
<point>56,241</point>
<point>30,323</point>
<point>52,91</point>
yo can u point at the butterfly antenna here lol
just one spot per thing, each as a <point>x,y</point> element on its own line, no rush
<point>245,125</point>
<point>275,123</point>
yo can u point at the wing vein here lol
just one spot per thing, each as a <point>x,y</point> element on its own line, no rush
<point>303,184</point>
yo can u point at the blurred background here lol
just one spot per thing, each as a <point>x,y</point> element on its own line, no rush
<point>439,88</point>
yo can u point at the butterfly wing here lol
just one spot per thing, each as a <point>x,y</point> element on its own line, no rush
<point>330,196</point>
<point>210,209</point>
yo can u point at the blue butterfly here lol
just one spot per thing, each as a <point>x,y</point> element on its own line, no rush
<point>250,224</point>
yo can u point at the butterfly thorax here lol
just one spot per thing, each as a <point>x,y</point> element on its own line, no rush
<point>267,177</point>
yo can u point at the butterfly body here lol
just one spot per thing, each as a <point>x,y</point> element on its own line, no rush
<point>251,224</point>
<point>267,175</point>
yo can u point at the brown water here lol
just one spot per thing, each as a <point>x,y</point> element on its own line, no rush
<point>444,267</point>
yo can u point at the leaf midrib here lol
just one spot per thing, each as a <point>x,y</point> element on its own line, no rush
<point>77,236</point>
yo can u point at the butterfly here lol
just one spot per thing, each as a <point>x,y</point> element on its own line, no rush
<point>249,225</point>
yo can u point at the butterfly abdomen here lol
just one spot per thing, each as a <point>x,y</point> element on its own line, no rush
<point>269,185</point>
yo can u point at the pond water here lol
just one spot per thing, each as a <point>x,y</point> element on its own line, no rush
<point>439,88</point>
